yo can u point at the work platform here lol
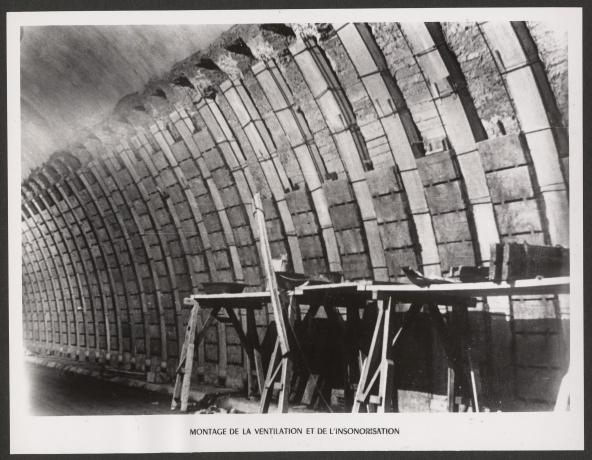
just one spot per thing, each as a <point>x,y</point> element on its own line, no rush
<point>368,372</point>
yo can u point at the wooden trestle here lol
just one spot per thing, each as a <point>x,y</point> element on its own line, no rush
<point>375,390</point>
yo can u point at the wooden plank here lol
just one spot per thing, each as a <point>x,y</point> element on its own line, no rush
<point>386,386</point>
<point>364,386</point>
<point>558,285</point>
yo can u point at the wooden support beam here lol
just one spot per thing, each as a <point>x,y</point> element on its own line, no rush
<point>265,153</point>
<point>517,58</point>
<point>350,144</point>
<point>300,138</point>
<point>280,361</point>
<point>461,123</point>
<point>399,128</point>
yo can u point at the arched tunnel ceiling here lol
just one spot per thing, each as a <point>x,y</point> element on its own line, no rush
<point>72,76</point>
<point>373,147</point>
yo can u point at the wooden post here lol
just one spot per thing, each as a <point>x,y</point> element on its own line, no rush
<point>280,358</point>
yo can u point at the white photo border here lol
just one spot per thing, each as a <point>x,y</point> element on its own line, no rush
<point>171,433</point>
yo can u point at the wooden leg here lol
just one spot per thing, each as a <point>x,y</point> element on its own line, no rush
<point>222,354</point>
<point>475,381</point>
<point>452,357</point>
<point>247,362</point>
<point>272,371</point>
<point>253,339</point>
<point>373,357</point>
<point>334,317</point>
<point>246,340</point>
<point>176,391</point>
<point>352,369</point>
<point>386,384</point>
<point>185,360</point>
<point>286,376</point>
<point>201,351</point>
<point>187,378</point>
<point>450,390</point>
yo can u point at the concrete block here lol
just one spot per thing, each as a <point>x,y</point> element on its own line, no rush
<point>315,266</point>
<point>502,152</point>
<point>306,224</point>
<point>518,217</point>
<point>510,184</point>
<point>398,258</point>
<point>221,260</point>
<point>445,197</point>
<point>452,226</point>
<point>436,167</point>
<point>298,201</point>
<point>274,230</point>
<point>345,216</point>
<point>237,216</point>
<point>222,177</point>
<point>248,255</point>
<point>383,181</point>
<point>453,254</point>
<point>390,207</point>
<point>350,241</point>
<point>356,266</point>
<point>338,191</point>
<point>395,234</point>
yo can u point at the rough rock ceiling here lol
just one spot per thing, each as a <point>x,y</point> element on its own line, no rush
<point>72,77</point>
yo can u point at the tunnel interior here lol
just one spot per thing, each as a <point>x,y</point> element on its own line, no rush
<point>374,147</point>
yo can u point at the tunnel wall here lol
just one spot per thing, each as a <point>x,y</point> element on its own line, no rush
<point>374,146</point>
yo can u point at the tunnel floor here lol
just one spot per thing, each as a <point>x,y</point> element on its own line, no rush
<point>56,392</point>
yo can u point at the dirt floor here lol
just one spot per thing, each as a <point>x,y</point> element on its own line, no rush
<point>55,392</point>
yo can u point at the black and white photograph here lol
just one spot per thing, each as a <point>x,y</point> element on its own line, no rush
<point>315,229</point>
